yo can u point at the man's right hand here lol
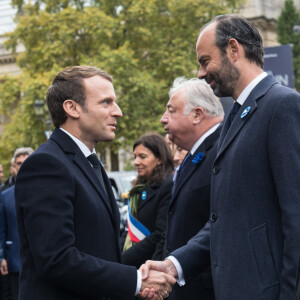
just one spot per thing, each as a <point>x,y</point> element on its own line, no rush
<point>161,288</point>
<point>165,266</point>
<point>3,267</point>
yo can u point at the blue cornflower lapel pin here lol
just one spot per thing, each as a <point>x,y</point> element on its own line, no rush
<point>197,158</point>
<point>144,195</point>
<point>245,112</point>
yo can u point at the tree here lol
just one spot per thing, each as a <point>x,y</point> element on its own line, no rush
<point>287,32</point>
<point>144,44</point>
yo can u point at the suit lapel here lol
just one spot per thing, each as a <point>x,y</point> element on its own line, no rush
<point>185,173</point>
<point>191,167</point>
<point>80,160</point>
<point>70,147</point>
<point>229,134</point>
<point>110,194</point>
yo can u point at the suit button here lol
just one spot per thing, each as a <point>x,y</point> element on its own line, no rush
<point>213,217</point>
<point>216,169</point>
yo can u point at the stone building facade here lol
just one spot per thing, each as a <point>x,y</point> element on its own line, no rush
<point>264,14</point>
<point>7,62</point>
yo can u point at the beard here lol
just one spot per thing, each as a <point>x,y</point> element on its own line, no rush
<point>225,78</point>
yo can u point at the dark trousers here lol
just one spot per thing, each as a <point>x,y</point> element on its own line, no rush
<point>4,288</point>
<point>13,283</point>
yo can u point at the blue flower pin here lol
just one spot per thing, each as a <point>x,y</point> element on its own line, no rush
<point>245,112</point>
<point>198,157</point>
<point>144,195</point>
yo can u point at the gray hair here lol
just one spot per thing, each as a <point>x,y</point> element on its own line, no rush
<point>22,151</point>
<point>198,94</point>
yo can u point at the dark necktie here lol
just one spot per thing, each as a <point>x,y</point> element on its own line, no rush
<point>93,159</point>
<point>236,106</point>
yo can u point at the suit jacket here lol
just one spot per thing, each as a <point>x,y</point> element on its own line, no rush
<point>69,228</point>
<point>189,212</point>
<point>254,225</point>
<point>152,213</point>
<point>9,236</point>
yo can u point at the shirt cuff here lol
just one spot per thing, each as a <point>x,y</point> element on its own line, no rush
<point>139,282</point>
<point>180,279</point>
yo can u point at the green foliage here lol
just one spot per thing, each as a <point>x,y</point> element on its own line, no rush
<point>288,18</point>
<point>17,96</point>
<point>144,44</point>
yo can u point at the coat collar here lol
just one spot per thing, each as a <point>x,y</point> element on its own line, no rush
<point>228,134</point>
<point>190,167</point>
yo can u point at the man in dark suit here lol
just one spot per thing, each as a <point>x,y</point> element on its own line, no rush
<point>192,121</point>
<point>9,237</point>
<point>67,216</point>
<point>253,238</point>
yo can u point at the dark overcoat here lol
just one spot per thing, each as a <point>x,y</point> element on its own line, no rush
<point>69,228</point>
<point>254,230</point>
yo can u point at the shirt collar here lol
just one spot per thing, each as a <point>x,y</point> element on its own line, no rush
<point>85,150</point>
<point>203,137</point>
<point>246,92</point>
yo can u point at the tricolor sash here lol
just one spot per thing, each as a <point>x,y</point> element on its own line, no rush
<point>136,230</point>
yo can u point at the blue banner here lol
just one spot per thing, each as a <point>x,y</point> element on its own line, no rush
<point>279,63</point>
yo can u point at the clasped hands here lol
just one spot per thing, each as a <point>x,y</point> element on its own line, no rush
<point>158,278</point>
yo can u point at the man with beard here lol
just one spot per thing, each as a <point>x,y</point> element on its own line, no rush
<point>253,237</point>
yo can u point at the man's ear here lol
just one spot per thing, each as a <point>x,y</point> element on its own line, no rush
<point>233,49</point>
<point>72,108</point>
<point>198,115</point>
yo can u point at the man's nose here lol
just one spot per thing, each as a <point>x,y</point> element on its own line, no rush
<point>164,118</point>
<point>201,73</point>
<point>117,111</point>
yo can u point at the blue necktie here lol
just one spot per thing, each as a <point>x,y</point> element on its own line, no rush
<point>183,164</point>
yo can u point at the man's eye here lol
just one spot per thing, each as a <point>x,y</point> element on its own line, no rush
<point>106,101</point>
<point>205,62</point>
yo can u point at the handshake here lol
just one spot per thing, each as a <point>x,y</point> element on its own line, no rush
<point>158,277</point>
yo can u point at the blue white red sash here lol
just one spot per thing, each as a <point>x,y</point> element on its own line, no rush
<point>136,230</point>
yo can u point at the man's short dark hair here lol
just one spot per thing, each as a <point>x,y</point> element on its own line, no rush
<point>68,84</point>
<point>239,28</point>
